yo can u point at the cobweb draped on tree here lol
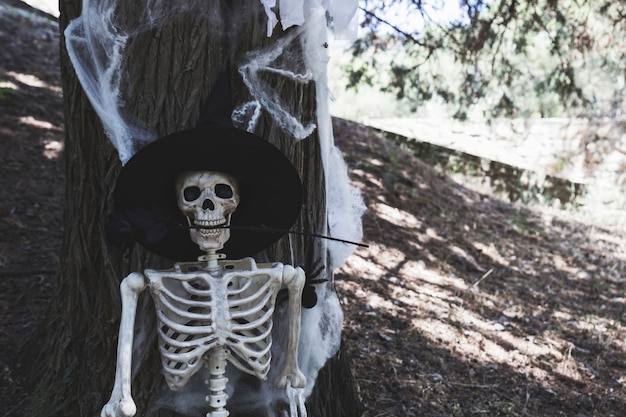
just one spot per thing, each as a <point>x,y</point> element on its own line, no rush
<point>97,46</point>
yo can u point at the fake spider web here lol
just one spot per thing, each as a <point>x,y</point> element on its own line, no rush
<point>97,46</point>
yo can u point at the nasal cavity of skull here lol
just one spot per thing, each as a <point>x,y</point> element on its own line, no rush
<point>208,205</point>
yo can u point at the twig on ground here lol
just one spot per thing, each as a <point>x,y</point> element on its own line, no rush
<point>474,285</point>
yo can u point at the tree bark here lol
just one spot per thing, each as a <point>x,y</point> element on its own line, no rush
<point>170,72</point>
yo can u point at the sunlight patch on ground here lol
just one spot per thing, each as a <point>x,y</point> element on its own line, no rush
<point>365,263</point>
<point>28,79</point>
<point>31,121</point>
<point>378,261</point>
<point>563,265</point>
<point>396,216</point>
<point>377,302</point>
<point>435,305</point>
<point>602,238</point>
<point>33,81</point>
<point>492,252</point>
<point>431,234</point>
<point>417,269</point>
<point>7,85</point>
<point>53,149</point>
<point>470,336</point>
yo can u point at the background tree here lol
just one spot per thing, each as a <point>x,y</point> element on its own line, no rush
<point>172,70</point>
<point>504,57</point>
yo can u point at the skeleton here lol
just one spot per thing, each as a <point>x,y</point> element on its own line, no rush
<point>212,310</point>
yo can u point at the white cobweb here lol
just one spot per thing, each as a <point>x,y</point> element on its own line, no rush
<point>96,44</point>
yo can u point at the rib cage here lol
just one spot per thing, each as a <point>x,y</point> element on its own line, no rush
<point>198,311</point>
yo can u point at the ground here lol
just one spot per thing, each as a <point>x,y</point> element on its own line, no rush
<point>464,304</point>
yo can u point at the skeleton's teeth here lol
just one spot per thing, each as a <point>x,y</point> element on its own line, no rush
<point>209,227</point>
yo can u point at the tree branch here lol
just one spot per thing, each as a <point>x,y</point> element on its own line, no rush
<point>395,28</point>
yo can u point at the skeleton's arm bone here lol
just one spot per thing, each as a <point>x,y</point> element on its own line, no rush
<point>121,403</point>
<point>295,279</point>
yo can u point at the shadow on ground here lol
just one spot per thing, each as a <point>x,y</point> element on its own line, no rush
<point>470,305</point>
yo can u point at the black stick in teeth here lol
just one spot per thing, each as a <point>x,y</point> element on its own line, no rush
<point>269,229</point>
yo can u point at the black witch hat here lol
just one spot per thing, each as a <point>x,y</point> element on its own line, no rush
<point>269,186</point>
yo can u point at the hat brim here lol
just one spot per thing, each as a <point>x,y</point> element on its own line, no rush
<point>269,187</point>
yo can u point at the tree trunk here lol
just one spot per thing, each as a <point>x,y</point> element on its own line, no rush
<point>170,73</point>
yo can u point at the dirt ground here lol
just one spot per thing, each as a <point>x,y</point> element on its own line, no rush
<point>463,304</point>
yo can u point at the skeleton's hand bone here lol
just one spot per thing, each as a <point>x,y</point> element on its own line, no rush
<point>296,402</point>
<point>121,403</point>
<point>291,375</point>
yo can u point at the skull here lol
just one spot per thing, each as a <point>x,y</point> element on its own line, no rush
<point>208,199</point>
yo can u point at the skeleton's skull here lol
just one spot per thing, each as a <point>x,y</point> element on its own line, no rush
<point>208,199</point>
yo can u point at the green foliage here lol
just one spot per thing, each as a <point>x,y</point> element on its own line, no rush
<point>534,58</point>
<point>522,224</point>
<point>5,92</point>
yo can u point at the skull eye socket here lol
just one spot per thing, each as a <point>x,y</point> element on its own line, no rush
<point>191,193</point>
<point>223,191</point>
